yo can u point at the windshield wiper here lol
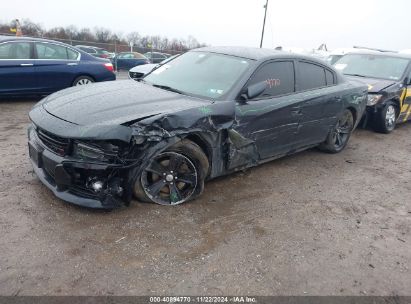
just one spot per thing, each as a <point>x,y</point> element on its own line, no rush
<point>357,75</point>
<point>164,87</point>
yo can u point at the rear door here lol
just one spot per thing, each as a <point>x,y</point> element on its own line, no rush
<point>322,102</point>
<point>55,66</point>
<point>17,68</point>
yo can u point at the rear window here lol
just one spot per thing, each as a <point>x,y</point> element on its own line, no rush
<point>310,76</point>
<point>139,56</point>
<point>51,51</point>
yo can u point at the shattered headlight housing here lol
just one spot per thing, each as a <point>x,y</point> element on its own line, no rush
<point>373,99</point>
<point>92,152</point>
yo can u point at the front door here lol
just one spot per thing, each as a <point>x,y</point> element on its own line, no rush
<point>16,68</point>
<point>266,125</point>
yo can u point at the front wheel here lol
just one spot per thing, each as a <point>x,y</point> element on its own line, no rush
<point>174,176</point>
<point>338,137</point>
<point>82,80</point>
<point>385,120</point>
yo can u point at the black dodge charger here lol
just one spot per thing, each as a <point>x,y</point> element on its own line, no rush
<point>207,113</point>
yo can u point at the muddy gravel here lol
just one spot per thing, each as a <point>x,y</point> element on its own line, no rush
<point>309,224</point>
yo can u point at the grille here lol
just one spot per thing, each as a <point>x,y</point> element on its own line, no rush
<point>136,75</point>
<point>54,143</point>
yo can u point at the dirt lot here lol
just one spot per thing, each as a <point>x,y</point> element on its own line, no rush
<point>309,224</point>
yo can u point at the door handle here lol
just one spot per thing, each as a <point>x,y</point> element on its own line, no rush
<point>26,64</point>
<point>72,63</point>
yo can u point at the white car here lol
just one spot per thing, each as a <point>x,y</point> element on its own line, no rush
<point>139,71</point>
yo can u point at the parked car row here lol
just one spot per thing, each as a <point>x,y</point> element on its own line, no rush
<point>206,113</point>
<point>33,66</point>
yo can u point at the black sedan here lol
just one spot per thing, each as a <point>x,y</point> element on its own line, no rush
<point>34,66</point>
<point>207,113</point>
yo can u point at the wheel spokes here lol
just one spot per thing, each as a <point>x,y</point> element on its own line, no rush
<point>187,178</point>
<point>175,195</point>
<point>156,167</point>
<point>156,187</point>
<point>169,179</point>
<point>175,163</point>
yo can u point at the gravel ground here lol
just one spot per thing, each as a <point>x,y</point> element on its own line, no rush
<point>309,224</point>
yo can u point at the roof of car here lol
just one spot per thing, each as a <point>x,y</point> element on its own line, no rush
<point>89,46</point>
<point>254,53</point>
<point>382,54</point>
<point>13,38</point>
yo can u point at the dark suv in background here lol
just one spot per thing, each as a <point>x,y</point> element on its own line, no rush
<point>388,76</point>
<point>156,57</point>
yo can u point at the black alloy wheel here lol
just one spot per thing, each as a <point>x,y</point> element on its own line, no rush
<point>340,134</point>
<point>170,179</point>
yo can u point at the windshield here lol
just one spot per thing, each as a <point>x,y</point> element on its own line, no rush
<point>375,66</point>
<point>198,73</point>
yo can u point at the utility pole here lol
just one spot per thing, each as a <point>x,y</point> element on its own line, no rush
<point>265,15</point>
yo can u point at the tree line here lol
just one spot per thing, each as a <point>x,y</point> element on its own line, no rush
<point>104,37</point>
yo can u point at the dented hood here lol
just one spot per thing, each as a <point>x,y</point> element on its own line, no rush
<point>374,85</point>
<point>116,103</point>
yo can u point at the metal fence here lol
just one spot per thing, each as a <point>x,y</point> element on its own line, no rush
<point>111,47</point>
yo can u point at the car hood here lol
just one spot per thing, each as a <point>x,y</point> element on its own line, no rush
<point>374,85</point>
<point>119,102</point>
<point>144,68</point>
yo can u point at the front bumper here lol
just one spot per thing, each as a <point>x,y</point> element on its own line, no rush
<point>61,175</point>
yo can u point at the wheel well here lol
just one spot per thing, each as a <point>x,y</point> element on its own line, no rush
<point>354,114</point>
<point>87,75</point>
<point>202,143</point>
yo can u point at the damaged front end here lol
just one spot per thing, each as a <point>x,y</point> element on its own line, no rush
<point>99,169</point>
<point>86,173</point>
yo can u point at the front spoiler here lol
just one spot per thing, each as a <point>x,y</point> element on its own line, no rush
<point>109,202</point>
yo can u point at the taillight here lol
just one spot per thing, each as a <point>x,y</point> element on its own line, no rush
<point>109,66</point>
<point>104,56</point>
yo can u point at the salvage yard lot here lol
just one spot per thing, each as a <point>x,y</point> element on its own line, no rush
<point>309,224</point>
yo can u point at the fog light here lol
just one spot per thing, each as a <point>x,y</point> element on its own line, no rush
<point>97,186</point>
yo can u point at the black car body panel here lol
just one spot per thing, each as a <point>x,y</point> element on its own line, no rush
<point>141,121</point>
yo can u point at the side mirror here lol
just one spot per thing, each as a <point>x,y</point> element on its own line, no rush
<point>254,90</point>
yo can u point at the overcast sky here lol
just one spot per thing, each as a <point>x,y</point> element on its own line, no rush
<point>290,23</point>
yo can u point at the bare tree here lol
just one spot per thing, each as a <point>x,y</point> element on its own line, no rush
<point>102,34</point>
<point>133,37</point>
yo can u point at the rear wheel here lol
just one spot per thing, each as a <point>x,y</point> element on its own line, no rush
<point>385,120</point>
<point>82,80</point>
<point>174,176</point>
<point>338,137</point>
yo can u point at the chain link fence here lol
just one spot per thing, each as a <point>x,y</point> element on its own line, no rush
<point>108,46</point>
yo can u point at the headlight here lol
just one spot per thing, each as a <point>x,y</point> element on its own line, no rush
<point>373,99</point>
<point>85,151</point>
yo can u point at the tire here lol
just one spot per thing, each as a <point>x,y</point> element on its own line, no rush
<point>338,137</point>
<point>82,80</point>
<point>385,120</point>
<point>174,176</point>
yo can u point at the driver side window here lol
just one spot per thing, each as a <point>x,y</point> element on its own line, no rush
<point>278,75</point>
